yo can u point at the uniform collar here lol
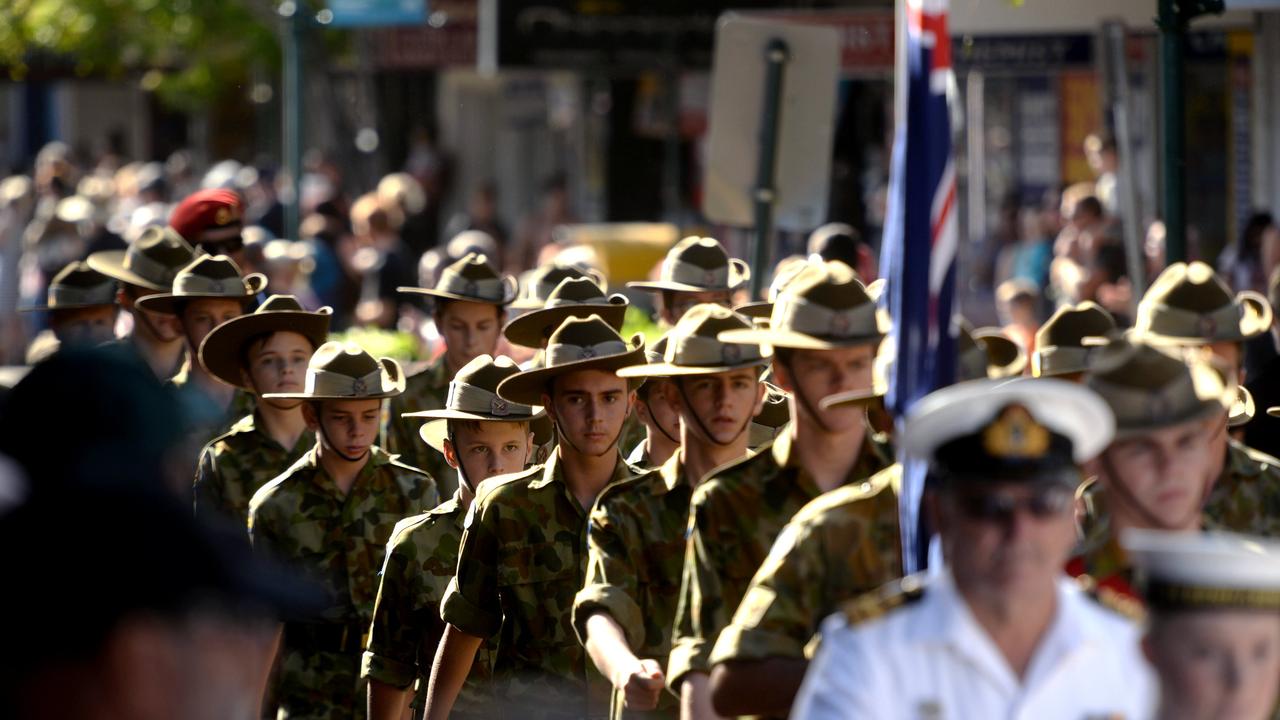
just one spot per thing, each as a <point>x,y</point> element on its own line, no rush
<point>552,471</point>
<point>672,474</point>
<point>871,459</point>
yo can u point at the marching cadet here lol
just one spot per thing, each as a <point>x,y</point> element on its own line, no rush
<point>329,516</point>
<point>206,293</point>
<point>1188,305</point>
<point>1155,472</point>
<point>1213,633</point>
<point>212,221</point>
<point>578,297</point>
<point>842,544</point>
<point>524,548</point>
<point>536,284</point>
<point>469,300</point>
<point>823,331</point>
<point>266,351</point>
<point>483,436</point>
<point>1001,632</point>
<point>624,613</point>
<point>1060,350</point>
<point>696,270</point>
<point>659,416</point>
<point>81,303</point>
<point>146,267</point>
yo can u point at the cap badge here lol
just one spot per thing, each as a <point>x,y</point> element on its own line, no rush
<point>731,353</point>
<point>469,288</point>
<point>222,216</point>
<point>709,278</point>
<point>358,386</point>
<point>840,325</point>
<point>1015,434</point>
<point>587,353</point>
<point>499,407</point>
<point>1208,326</point>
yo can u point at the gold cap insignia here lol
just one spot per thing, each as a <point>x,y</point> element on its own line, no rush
<point>1015,434</point>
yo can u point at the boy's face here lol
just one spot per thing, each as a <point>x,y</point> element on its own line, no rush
<point>589,406</point>
<point>469,329</point>
<point>348,426</point>
<point>1217,664</point>
<point>165,328</point>
<point>84,326</point>
<point>656,411</point>
<point>278,364</point>
<point>819,373</point>
<point>676,303</point>
<point>204,314</point>
<point>718,407</point>
<point>1164,472</point>
<point>486,449</point>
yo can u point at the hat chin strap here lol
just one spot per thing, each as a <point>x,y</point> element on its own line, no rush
<point>697,419</point>
<point>324,437</point>
<point>798,394</point>
<point>463,480</point>
<point>564,437</point>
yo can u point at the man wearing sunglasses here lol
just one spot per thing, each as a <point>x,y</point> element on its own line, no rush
<point>1000,632</point>
<point>212,222</point>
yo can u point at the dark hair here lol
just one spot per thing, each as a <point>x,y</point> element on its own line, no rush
<point>1251,236</point>
<point>474,425</point>
<point>1090,204</point>
<point>439,305</point>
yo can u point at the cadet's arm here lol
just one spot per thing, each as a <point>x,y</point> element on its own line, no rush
<point>271,660</point>
<point>387,702</point>
<point>766,686</point>
<point>695,697</point>
<point>639,680</point>
<point>453,662</point>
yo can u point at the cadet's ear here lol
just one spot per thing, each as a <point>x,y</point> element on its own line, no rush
<point>761,391</point>
<point>450,453</point>
<point>311,415</point>
<point>530,448</point>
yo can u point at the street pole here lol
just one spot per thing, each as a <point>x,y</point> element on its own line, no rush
<point>776,55</point>
<point>1172,18</point>
<point>294,15</point>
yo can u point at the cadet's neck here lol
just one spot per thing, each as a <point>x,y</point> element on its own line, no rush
<point>827,456</point>
<point>342,471</point>
<point>586,475</point>
<point>162,356</point>
<point>284,425</point>
<point>660,449</point>
<point>701,456</point>
<point>1015,622</point>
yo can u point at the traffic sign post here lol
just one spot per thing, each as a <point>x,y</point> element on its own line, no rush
<point>772,120</point>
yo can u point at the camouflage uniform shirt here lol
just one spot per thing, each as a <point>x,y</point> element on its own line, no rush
<point>841,545</point>
<point>522,560</point>
<point>424,390</point>
<point>421,559</point>
<point>235,464</point>
<point>339,542</point>
<point>636,555</point>
<point>1246,496</point>
<point>734,519</point>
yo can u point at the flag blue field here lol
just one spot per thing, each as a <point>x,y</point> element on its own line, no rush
<point>918,253</point>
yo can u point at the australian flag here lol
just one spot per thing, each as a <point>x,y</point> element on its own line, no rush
<point>921,235</point>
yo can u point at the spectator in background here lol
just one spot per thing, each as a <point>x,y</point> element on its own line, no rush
<point>1018,305</point>
<point>263,206</point>
<point>1240,263</point>
<point>534,230</point>
<point>481,214</point>
<point>1100,151</point>
<point>376,257</point>
<point>328,280</point>
<point>404,194</point>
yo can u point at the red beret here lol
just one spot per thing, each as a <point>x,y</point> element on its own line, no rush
<point>206,210</point>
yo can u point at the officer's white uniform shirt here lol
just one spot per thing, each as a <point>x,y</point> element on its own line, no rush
<point>930,659</point>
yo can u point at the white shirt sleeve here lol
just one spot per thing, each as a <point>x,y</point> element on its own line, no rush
<point>842,679</point>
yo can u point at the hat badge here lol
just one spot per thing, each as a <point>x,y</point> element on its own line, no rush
<point>709,278</point>
<point>499,407</point>
<point>840,325</point>
<point>1015,434</point>
<point>731,353</point>
<point>222,216</point>
<point>470,288</point>
<point>1208,326</point>
<point>588,353</point>
<point>359,386</point>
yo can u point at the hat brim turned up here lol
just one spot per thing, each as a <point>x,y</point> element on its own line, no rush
<point>111,264</point>
<point>436,429</point>
<point>509,288</point>
<point>168,303</point>
<point>534,327</point>
<point>390,370</point>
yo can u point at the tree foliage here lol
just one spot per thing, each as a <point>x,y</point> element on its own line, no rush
<point>187,51</point>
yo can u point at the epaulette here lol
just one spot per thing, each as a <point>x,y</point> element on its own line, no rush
<point>488,485</point>
<point>243,425</point>
<point>847,494</point>
<point>406,525</point>
<point>1116,602</point>
<point>878,603</point>
<point>1249,462</point>
<point>394,460</point>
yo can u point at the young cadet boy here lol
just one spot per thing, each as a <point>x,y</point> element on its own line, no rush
<point>206,293</point>
<point>624,613</point>
<point>469,300</point>
<point>482,436</point>
<point>578,297</point>
<point>1213,631</point>
<point>524,551</point>
<point>1188,305</point>
<point>842,544</point>
<point>660,418</point>
<point>1060,342</point>
<point>146,267</point>
<point>1155,472</point>
<point>823,331</point>
<point>81,303</point>
<point>695,270</point>
<point>329,517</point>
<point>264,352</point>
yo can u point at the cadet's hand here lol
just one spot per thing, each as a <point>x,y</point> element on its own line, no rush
<point>642,686</point>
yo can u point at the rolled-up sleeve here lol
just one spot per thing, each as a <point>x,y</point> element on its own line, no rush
<point>394,637</point>
<point>611,584</point>
<point>471,603</point>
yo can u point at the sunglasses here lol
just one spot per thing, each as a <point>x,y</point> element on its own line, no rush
<point>1043,503</point>
<point>222,247</point>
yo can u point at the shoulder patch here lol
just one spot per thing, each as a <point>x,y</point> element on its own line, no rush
<point>1117,602</point>
<point>849,494</point>
<point>878,603</point>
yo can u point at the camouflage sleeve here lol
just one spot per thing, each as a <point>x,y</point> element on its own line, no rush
<point>471,603</point>
<point>782,607</point>
<point>699,615</point>
<point>611,581</point>
<point>391,654</point>
<point>207,500</point>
